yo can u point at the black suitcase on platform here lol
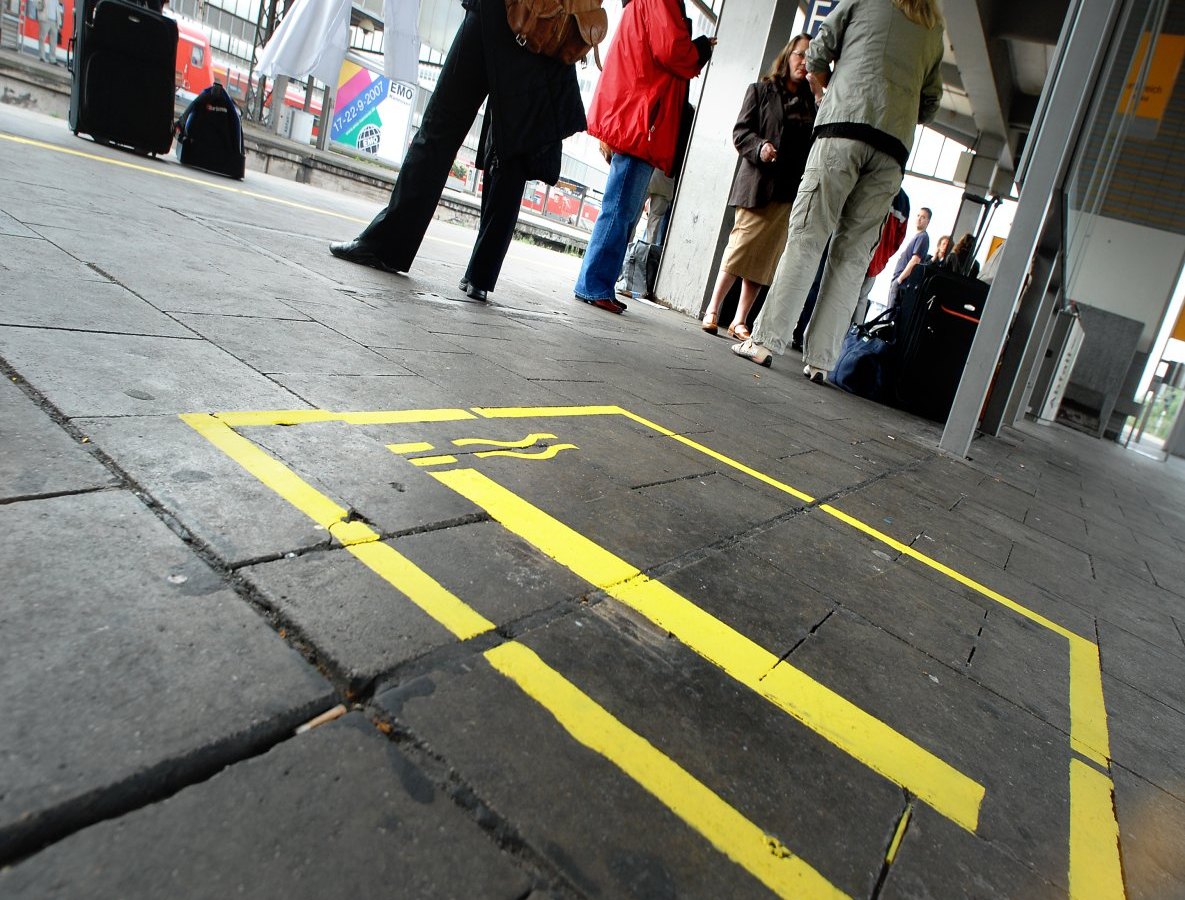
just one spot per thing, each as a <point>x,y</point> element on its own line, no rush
<point>936,326</point>
<point>123,62</point>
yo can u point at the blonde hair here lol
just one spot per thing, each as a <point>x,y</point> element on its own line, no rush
<point>923,12</point>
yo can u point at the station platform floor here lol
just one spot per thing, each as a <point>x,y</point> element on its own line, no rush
<point>320,582</point>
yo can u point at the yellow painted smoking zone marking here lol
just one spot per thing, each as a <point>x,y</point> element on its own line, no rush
<point>1093,848</point>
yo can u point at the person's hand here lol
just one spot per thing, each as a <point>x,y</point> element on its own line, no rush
<point>817,85</point>
<point>768,152</point>
<point>606,151</point>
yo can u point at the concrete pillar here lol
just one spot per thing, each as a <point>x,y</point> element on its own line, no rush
<point>750,36</point>
<point>1065,107</point>
<point>980,179</point>
<point>1026,347</point>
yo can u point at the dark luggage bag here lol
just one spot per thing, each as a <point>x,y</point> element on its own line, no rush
<point>123,60</point>
<point>936,326</point>
<point>210,134</point>
<point>640,272</point>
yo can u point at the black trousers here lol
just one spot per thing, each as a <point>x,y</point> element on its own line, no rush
<point>395,234</point>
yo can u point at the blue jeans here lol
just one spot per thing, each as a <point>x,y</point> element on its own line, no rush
<point>625,192</point>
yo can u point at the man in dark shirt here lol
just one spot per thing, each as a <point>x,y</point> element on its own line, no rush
<point>913,255</point>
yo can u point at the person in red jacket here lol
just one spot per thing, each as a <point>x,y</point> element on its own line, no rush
<point>635,114</point>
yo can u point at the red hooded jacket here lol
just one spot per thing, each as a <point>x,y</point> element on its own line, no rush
<point>640,95</point>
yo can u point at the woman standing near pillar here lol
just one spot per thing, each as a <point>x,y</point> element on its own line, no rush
<point>772,136</point>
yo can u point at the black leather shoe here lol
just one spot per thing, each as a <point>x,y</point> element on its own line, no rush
<point>476,293</point>
<point>355,252</point>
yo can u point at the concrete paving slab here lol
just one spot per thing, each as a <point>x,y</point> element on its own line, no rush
<point>246,282</point>
<point>44,286</point>
<point>892,508</point>
<point>1146,736</point>
<point>225,507</point>
<point>38,456</point>
<point>354,468</point>
<point>608,836</point>
<point>1151,823</point>
<point>1150,668</point>
<point>755,599</point>
<point>359,819</point>
<point>938,862</point>
<point>1020,760</point>
<point>284,346</point>
<point>362,628</point>
<point>10,227</point>
<point>355,623</point>
<point>99,306</point>
<point>1025,663</point>
<point>482,382</point>
<point>89,374</point>
<point>129,665</point>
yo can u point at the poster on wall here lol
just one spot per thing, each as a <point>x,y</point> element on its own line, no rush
<point>372,114</point>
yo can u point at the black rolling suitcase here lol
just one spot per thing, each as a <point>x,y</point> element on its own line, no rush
<point>935,328</point>
<point>936,336</point>
<point>123,62</point>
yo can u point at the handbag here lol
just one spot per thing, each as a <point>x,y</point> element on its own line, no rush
<point>562,29</point>
<point>867,361</point>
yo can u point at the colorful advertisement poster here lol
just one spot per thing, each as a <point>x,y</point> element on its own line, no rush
<point>372,114</point>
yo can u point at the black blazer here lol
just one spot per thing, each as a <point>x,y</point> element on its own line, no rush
<point>755,183</point>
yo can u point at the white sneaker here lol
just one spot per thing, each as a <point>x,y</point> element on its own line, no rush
<point>817,376</point>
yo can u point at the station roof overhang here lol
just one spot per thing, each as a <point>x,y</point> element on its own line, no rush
<point>998,56</point>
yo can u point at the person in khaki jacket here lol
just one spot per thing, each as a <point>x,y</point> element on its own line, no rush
<point>886,80</point>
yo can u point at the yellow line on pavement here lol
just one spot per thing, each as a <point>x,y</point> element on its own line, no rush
<point>861,735</point>
<point>386,562</point>
<point>1095,869</point>
<point>432,460</point>
<point>762,855</point>
<point>165,171</point>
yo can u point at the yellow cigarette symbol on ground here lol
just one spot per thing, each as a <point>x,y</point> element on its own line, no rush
<point>1094,864</point>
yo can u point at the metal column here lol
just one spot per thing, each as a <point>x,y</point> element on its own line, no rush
<point>1083,47</point>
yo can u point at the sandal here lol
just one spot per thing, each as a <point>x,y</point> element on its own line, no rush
<point>754,353</point>
<point>740,331</point>
<point>709,323</point>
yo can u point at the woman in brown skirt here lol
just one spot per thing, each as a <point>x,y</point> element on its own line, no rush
<point>772,136</point>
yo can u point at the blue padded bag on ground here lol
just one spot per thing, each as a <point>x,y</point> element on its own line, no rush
<point>868,359</point>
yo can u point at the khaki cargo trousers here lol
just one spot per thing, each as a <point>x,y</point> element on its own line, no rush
<point>846,191</point>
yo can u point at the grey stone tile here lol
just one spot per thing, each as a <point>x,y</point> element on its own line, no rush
<point>1151,823</point>
<point>128,665</point>
<point>288,347</point>
<point>335,812</point>
<point>939,861</point>
<point>1146,736</point>
<point>38,457</point>
<point>222,504</point>
<point>1020,760</point>
<point>794,785</point>
<point>90,374</point>
<point>1158,672</point>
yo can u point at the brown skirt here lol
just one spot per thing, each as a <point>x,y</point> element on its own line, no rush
<point>756,243</point>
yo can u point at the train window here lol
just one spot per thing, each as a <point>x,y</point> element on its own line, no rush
<point>197,57</point>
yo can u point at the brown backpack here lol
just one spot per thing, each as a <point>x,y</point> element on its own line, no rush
<point>562,29</point>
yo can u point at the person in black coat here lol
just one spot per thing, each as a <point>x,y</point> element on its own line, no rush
<point>534,103</point>
<point>772,137</point>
